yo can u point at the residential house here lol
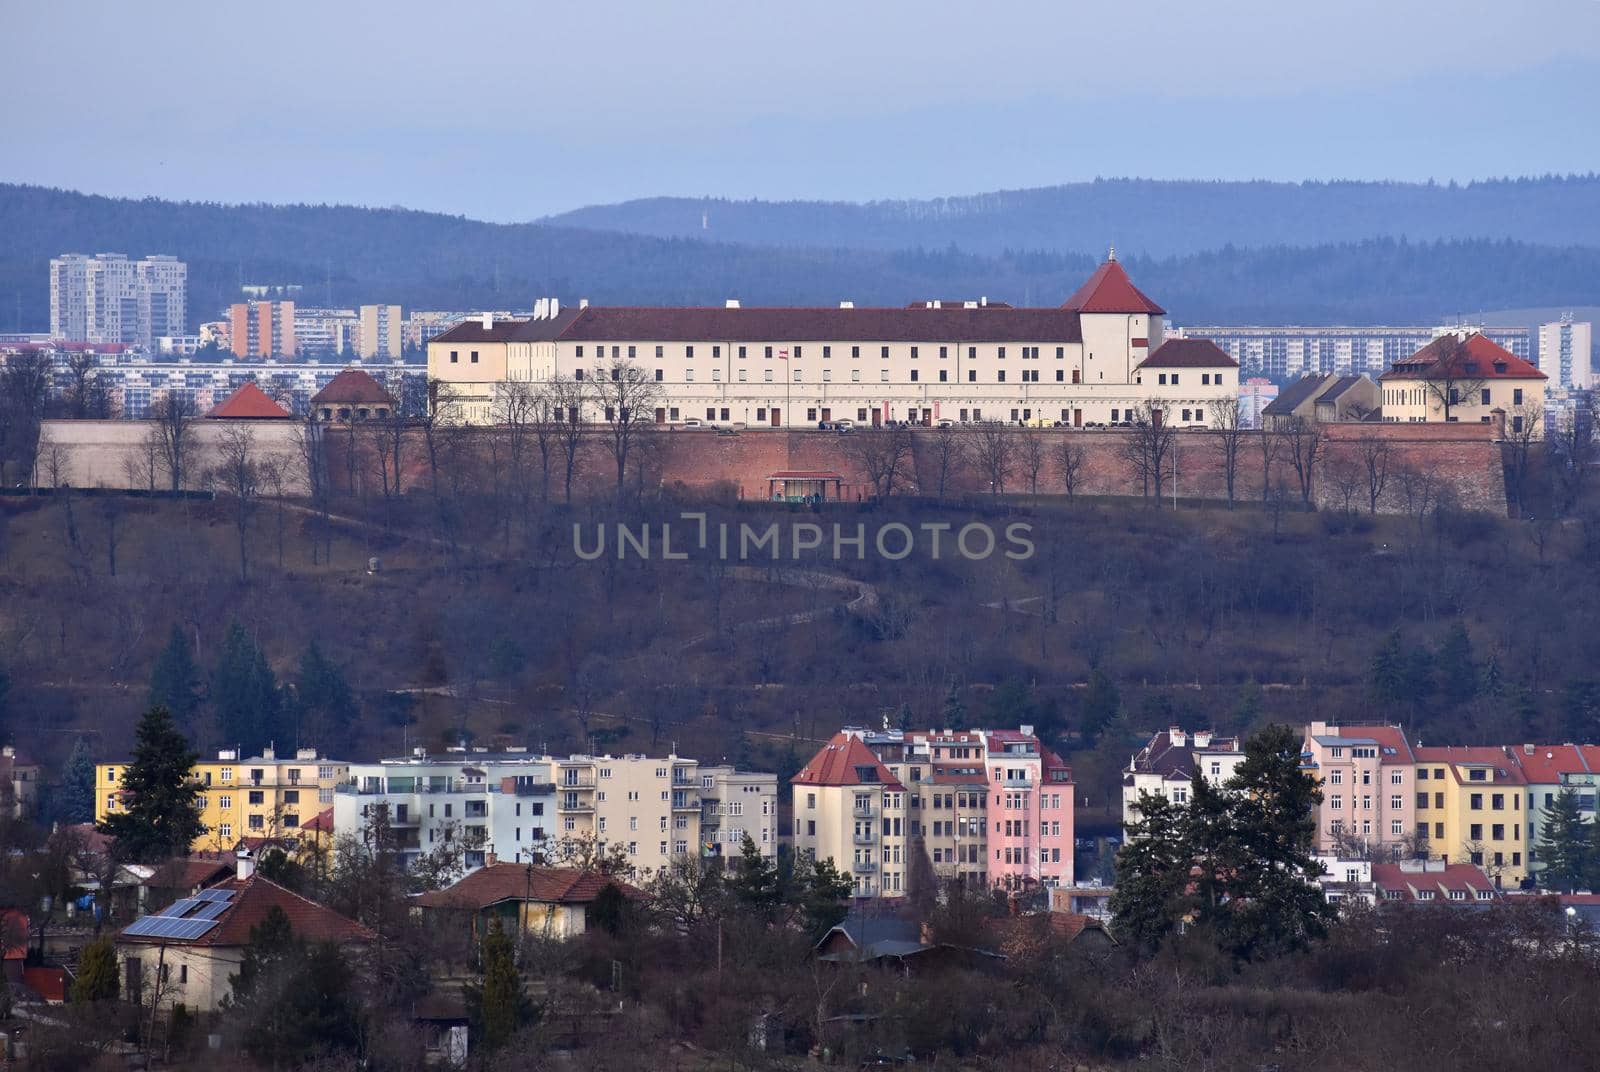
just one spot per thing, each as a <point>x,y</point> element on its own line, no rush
<point>1346,881</point>
<point>1169,763</point>
<point>1470,805</point>
<point>1322,399</point>
<point>186,951</point>
<point>1463,376</point>
<point>1367,776</point>
<point>1433,882</point>
<point>556,902</point>
<point>1549,769</point>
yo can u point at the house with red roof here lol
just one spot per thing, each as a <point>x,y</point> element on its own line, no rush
<point>186,950</point>
<point>1471,807</point>
<point>1464,377</point>
<point>1367,774</point>
<point>1171,761</point>
<point>556,902</point>
<point>249,403</point>
<point>353,396</point>
<point>1433,882</point>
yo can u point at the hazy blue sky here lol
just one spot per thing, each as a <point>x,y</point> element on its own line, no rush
<point>510,110</point>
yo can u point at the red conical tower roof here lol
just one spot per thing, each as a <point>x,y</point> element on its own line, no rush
<point>1110,290</point>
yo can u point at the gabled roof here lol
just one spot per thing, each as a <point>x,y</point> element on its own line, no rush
<point>1338,388</point>
<point>842,761</point>
<point>1176,761</point>
<point>1474,357</point>
<point>1188,353</point>
<point>543,329</point>
<point>1295,395</point>
<point>1109,290</point>
<point>249,403</point>
<point>253,898</point>
<point>355,386</point>
<point>990,323</point>
<point>321,823</point>
<point>189,874</point>
<point>1504,764</point>
<point>517,882</point>
<point>1546,763</point>
<point>1393,748</point>
<point>1409,879</point>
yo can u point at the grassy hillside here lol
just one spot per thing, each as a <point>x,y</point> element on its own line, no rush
<point>423,260</point>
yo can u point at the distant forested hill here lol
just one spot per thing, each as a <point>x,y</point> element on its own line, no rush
<point>429,261</point>
<point>1156,218</point>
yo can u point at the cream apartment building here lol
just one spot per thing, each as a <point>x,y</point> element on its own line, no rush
<point>736,804</point>
<point>1478,379</point>
<point>1093,360</point>
<point>988,807</point>
<point>1171,761</point>
<point>648,806</point>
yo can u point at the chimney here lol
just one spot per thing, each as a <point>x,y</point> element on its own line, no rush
<point>1202,738</point>
<point>9,752</point>
<point>984,301</point>
<point>541,308</point>
<point>555,308</point>
<point>731,303</point>
<point>583,303</point>
<point>488,321</point>
<point>1027,731</point>
<point>1527,749</point>
<point>1176,735</point>
<point>489,858</point>
<point>245,864</point>
<point>269,753</point>
<point>847,305</point>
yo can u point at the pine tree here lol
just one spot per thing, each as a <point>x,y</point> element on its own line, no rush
<point>293,1002</point>
<point>1591,856</point>
<point>1580,709</point>
<point>1101,704</point>
<point>175,680</point>
<point>954,712</point>
<point>245,693</point>
<point>1563,845</point>
<point>325,696</point>
<point>1386,678</point>
<point>755,880</point>
<point>1153,868</point>
<point>1458,673</point>
<point>75,802</point>
<point>158,818</point>
<point>97,973</point>
<point>498,1006</point>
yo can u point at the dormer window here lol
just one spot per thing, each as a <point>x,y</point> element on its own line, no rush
<point>1500,368</point>
<point>866,774</point>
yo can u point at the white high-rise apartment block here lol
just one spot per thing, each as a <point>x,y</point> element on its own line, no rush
<point>1565,352</point>
<point>108,298</point>
<point>380,332</point>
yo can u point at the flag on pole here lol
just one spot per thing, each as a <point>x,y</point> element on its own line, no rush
<point>783,355</point>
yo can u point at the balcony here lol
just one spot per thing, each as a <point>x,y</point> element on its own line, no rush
<point>864,867</point>
<point>864,839</point>
<point>864,811</point>
<point>1016,783</point>
<point>686,804</point>
<point>574,806</point>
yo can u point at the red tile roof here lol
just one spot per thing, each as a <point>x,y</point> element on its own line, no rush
<point>1505,765</point>
<point>840,762</point>
<point>822,325</point>
<point>1546,763</point>
<point>321,823</point>
<point>1189,353</point>
<point>1466,878</point>
<point>1109,290</point>
<point>189,874</point>
<point>516,882</point>
<point>249,403</point>
<point>252,899</point>
<point>1393,748</point>
<point>1452,357</point>
<point>352,385</point>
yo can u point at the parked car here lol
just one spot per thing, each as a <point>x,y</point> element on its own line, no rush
<point>727,430</point>
<point>692,422</point>
<point>823,426</point>
<point>944,422</point>
<point>844,426</point>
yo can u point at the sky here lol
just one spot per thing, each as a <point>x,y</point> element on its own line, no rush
<point>515,110</point>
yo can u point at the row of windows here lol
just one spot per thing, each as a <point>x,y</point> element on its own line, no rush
<point>784,353</point>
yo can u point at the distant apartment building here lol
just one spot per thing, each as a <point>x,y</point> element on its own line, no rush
<point>1549,770</point>
<point>254,796</point>
<point>380,334</point>
<point>736,804</point>
<point>108,298</point>
<point>515,805</point>
<point>1367,774</point>
<point>1169,763</point>
<point>1285,353</point>
<point>1470,804</point>
<point>1566,353</point>
<point>1097,358</point>
<point>325,334</point>
<point>1255,394</point>
<point>262,329</point>
<point>1464,377</point>
<point>992,807</point>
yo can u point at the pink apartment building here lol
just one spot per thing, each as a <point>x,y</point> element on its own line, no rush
<point>1367,774</point>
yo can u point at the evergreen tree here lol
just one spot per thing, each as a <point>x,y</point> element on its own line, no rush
<point>1153,868</point>
<point>1101,704</point>
<point>1563,845</point>
<point>1275,903</point>
<point>272,943</point>
<point>1386,677</point>
<point>755,880</point>
<point>293,1003</point>
<point>498,1005</point>
<point>244,693</point>
<point>97,973</point>
<point>954,712</point>
<point>75,802</point>
<point>326,702</point>
<point>1457,671</point>
<point>1591,856</point>
<point>175,680</point>
<point>819,891</point>
<point>1580,709</point>
<point>1525,712</point>
<point>158,818</point>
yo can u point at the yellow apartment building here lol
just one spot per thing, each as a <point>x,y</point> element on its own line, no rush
<point>1464,377</point>
<point>1469,805</point>
<point>260,796</point>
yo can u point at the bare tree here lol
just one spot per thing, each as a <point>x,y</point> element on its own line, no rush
<point>274,471</point>
<point>86,396</point>
<point>1453,377</point>
<point>1031,455</point>
<point>566,399</point>
<point>1270,445</point>
<point>238,473</point>
<point>442,410</point>
<point>1307,443</point>
<point>313,439</point>
<point>625,397</point>
<point>995,451</point>
<point>1375,455</point>
<point>1227,419</point>
<point>1347,478</point>
<point>1524,427</point>
<point>1070,458</point>
<point>110,506</point>
<point>172,427</point>
<point>1146,446</point>
<point>516,410</point>
<point>883,454</point>
<point>1572,448</point>
<point>24,390</point>
<point>1419,490</point>
<point>948,453</point>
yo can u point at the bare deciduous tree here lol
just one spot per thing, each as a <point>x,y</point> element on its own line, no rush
<point>313,441</point>
<point>238,474</point>
<point>1031,455</point>
<point>1375,455</point>
<point>1454,375</point>
<point>995,451</point>
<point>1227,419</point>
<point>1270,445</point>
<point>1524,428</point>
<point>1306,442</point>
<point>566,404</point>
<point>1146,446</point>
<point>442,410</point>
<point>86,397</point>
<point>947,451</point>
<point>625,397</point>
<point>1070,459</point>
<point>172,426</point>
<point>883,454</point>
<point>1572,449</point>
<point>1347,478</point>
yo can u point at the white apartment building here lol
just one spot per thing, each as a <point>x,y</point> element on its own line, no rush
<point>1169,763</point>
<point>1287,353</point>
<point>1093,360</point>
<point>107,298</point>
<point>516,805</point>
<point>379,333</point>
<point>325,333</point>
<point>735,804</point>
<point>1565,353</point>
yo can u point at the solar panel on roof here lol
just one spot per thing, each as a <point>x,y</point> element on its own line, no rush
<point>215,895</point>
<point>211,910</point>
<point>180,907</point>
